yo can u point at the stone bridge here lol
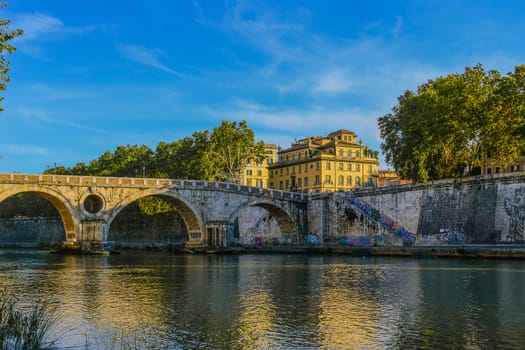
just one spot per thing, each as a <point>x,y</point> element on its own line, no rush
<point>89,204</point>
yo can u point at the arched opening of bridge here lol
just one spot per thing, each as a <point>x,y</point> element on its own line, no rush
<point>32,219</point>
<point>157,221</point>
<point>262,224</point>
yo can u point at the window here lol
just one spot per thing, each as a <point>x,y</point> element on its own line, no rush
<point>269,161</point>
<point>349,181</point>
<point>357,167</point>
<point>369,168</point>
<point>287,184</point>
<point>293,170</point>
<point>287,171</point>
<point>306,168</point>
<point>299,168</point>
<point>280,185</point>
<point>341,166</point>
<point>341,180</point>
<point>327,179</point>
<point>259,183</point>
<point>317,180</point>
<point>340,153</point>
<point>357,154</point>
<point>281,171</point>
<point>357,181</point>
<point>317,166</point>
<point>349,154</point>
<point>349,167</point>
<point>327,165</point>
<point>305,182</point>
<point>259,172</point>
<point>299,182</point>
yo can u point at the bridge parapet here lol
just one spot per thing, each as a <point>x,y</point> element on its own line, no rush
<point>133,182</point>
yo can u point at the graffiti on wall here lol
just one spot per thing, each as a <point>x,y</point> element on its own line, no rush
<point>385,221</point>
<point>515,209</point>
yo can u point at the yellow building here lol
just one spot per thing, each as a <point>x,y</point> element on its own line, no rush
<point>390,178</point>
<point>337,162</point>
<point>490,167</point>
<point>256,172</point>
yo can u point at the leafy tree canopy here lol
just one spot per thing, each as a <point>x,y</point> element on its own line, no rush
<point>454,121</point>
<point>231,147</point>
<point>218,155</point>
<point>6,35</point>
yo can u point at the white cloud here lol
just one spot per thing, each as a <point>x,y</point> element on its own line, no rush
<point>26,150</point>
<point>38,26</point>
<point>145,56</point>
<point>301,122</point>
<point>335,81</point>
<point>47,92</point>
<point>40,119</point>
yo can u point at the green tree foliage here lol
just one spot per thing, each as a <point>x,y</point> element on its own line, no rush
<point>455,121</point>
<point>6,35</point>
<point>216,155</point>
<point>231,147</point>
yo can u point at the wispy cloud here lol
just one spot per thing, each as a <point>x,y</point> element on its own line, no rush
<point>41,119</point>
<point>47,92</point>
<point>38,26</point>
<point>335,81</point>
<point>25,150</point>
<point>310,120</point>
<point>145,56</point>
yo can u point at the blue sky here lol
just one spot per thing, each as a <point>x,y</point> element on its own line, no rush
<point>89,76</point>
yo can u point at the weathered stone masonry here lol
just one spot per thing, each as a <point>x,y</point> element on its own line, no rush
<point>488,209</point>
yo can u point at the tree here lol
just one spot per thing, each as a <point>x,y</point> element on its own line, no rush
<point>454,121</point>
<point>6,35</point>
<point>231,147</point>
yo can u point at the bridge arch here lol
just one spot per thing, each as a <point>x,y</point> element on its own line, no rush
<point>186,210</point>
<point>284,220</point>
<point>65,208</point>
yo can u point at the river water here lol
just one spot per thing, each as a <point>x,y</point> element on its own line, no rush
<point>162,301</point>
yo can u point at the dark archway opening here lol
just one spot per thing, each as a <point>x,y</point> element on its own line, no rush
<point>28,220</point>
<point>150,223</point>
<point>262,225</point>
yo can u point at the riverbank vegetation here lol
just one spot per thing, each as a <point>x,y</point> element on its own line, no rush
<point>25,329</point>
<point>454,123</point>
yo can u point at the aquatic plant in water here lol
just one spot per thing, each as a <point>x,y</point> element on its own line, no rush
<point>22,329</point>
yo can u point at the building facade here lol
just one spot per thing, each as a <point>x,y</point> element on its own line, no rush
<point>256,172</point>
<point>490,167</point>
<point>337,162</point>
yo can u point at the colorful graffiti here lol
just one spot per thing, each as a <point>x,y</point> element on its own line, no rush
<point>385,221</point>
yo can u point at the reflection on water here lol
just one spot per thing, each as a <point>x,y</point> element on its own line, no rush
<point>273,301</point>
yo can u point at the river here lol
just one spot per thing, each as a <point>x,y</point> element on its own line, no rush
<point>162,301</point>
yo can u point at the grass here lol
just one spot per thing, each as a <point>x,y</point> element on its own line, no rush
<point>25,329</point>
